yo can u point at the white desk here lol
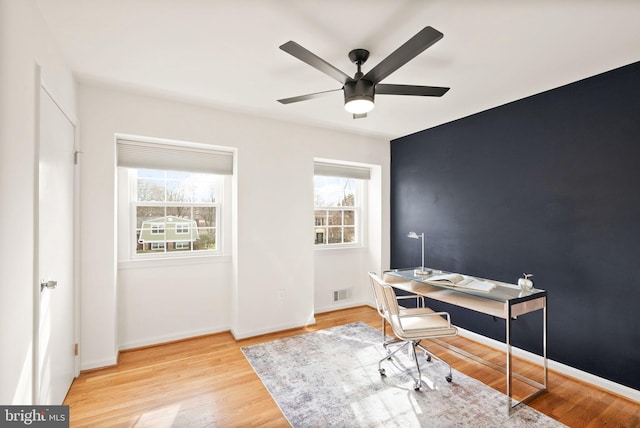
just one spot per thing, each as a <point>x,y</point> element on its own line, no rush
<point>505,301</point>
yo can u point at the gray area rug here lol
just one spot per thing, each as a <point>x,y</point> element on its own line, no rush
<point>330,378</point>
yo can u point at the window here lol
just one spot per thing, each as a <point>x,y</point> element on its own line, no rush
<point>157,246</point>
<point>174,193</point>
<point>182,228</point>
<point>157,229</point>
<point>183,245</point>
<point>336,210</point>
<point>175,210</point>
<point>338,200</point>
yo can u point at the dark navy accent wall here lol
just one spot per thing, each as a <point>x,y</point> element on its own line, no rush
<point>548,185</point>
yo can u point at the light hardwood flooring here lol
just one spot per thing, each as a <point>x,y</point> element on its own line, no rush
<point>207,382</point>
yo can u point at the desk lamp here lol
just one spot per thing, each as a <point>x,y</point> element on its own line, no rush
<point>422,270</point>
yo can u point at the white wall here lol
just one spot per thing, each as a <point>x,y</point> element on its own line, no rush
<point>160,302</point>
<point>335,270</point>
<point>24,44</point>
<point>268,280</point>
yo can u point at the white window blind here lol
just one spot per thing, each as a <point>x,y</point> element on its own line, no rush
<point>142,154</point>
<point>341,170</point>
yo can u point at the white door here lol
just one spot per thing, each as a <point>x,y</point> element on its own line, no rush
<point>55,239</point>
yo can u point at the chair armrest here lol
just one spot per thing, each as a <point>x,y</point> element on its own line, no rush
<point>419,299</point>
<point>440,314</point>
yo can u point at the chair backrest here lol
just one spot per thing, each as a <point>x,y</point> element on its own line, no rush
<point>391,308</point>
<point>378,294</point>
<point>390,300</point>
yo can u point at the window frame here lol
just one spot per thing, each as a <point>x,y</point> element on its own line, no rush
<point>359,225</point>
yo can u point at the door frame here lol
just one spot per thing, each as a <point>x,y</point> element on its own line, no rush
<point>40,85</point>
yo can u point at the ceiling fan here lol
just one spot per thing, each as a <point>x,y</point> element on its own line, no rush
<point>360,90</point>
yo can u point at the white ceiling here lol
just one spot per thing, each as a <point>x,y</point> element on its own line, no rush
<point>224,53</point>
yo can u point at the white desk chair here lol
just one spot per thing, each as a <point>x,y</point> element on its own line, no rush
<point>378,295</point>
<point>410,325</point>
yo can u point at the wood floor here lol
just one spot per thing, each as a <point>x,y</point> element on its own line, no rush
<point>207,382</point>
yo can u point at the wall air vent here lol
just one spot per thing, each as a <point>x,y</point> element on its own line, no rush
<point>344,294</point>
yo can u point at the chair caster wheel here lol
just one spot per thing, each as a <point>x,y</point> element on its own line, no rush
<point>382,372</point>
<point>416,387</point>
<point>428,358</point>
<point>449,378</point>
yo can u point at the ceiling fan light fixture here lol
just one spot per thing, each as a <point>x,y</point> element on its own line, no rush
<point>359,105</point>
<point>358,96</point>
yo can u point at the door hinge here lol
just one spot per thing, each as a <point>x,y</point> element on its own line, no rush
<point>75,349</point>
<point>76,157</point>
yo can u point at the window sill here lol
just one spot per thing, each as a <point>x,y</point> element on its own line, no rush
<point>172,261</point>
<point>331,250</point>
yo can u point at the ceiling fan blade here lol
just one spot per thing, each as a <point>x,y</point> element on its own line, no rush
<point>306,97</point>
<point>425,91</point>
<point>315,61</point>
<point>405,53</point>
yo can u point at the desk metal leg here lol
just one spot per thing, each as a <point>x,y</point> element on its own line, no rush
<point>544,341</point>
<point>509,369</point>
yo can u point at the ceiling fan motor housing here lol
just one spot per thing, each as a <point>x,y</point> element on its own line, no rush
<point>358,90</point>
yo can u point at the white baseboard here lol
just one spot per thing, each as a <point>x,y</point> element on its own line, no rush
<point>169,338</point>
<point>341,305</point>
<point>98,364</point>
<point>258,332</point>
<point>607,385</point>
